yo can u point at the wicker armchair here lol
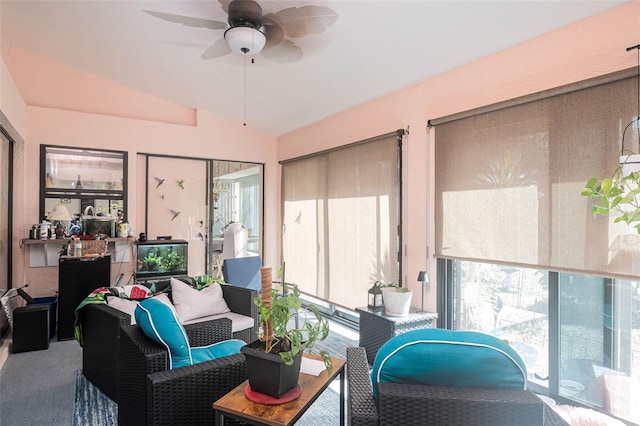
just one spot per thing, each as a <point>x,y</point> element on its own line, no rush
<point>413,404</point>
<point>150,394</point>
<point>102,331</point>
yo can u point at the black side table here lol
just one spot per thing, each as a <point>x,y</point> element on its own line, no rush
<point>376,327</point>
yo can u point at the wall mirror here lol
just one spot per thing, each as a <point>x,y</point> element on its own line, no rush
<point>88,182</point>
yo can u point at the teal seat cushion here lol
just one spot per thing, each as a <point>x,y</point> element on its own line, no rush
<point>159,321</point>
<point>442,357</point>
<point>216,350</point>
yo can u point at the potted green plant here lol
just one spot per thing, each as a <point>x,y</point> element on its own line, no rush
<point>620,193</point>
<point>396,299</point>
<point>273,361</point>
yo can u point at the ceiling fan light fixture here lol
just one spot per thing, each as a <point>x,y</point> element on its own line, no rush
<point>245,40</point>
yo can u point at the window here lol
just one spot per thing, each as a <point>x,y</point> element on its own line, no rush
<point>579,336</point>
<point>81,178</point>
<point>519,171</point>
<point>527,261</point>
<point>341,212</point>
<point>237,197</point>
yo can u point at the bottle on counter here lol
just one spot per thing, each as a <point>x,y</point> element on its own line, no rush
<point>79,183</point>
<point>77,248</point>
<point>59,231</point>
<point>44,230</point>
<point>124,230</point>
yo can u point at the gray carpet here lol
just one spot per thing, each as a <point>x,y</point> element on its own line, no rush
<point>37,388</point>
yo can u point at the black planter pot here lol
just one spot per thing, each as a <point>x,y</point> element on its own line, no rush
<point>267,373</point>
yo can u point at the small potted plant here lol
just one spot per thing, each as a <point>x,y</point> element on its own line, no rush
<point>273,361</point>
<point>620,192</point>
<point>396,300</point>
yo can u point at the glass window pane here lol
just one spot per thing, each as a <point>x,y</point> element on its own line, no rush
<point>84,169</point>
<point>600,343</point>
<point>509,303</point>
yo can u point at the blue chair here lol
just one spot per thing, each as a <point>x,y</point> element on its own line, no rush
<point>243,272</point>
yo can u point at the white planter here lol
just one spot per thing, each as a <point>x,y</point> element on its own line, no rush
<point>630,163</point>
<point>396,303</point>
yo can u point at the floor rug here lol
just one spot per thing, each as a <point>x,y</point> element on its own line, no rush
<point>91,407</point>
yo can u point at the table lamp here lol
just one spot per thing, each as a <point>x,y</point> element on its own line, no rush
<point>60,213</point>
<point>424,279</point>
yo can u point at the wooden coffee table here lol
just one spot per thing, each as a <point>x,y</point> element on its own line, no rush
<point>236,405</point>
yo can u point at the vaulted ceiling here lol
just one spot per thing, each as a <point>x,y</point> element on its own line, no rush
<point>370,49</point>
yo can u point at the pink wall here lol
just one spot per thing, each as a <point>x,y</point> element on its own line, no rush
<point>141,124</point>
<point>12,106</point>
<point>586,49</point>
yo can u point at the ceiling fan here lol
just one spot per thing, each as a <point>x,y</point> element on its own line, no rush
<point>249,32</point>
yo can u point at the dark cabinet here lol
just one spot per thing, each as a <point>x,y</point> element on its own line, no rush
<point>77,278</point>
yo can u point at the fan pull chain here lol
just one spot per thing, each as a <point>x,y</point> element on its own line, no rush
<point>244,101</point>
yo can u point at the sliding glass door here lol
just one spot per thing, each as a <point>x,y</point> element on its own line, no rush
<point>195,199</point>
<point>5,203</point>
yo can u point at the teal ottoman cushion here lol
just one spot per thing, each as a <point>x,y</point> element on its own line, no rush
<point>449,358</point>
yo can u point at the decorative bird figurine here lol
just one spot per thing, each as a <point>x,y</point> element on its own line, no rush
<point>201,223</point>
<point>160,181</point>
<point>180,183</point>
<point>175,214</point>
<point>199,235</point>
<point>162,197</point>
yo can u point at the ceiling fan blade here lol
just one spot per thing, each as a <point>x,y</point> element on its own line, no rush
<point>216,50</point>
<point>244,13</point>
<point>188,21</point>
<point>273,32</point>
<point>285,52</point>
<point>304,20</point>
<point>225,5</point>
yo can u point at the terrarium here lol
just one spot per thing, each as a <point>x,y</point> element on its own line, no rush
<point>158,258</point>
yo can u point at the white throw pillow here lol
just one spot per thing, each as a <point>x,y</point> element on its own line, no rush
<point>191,303</point>
<point>128,306</point>
<point>124,305</point>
